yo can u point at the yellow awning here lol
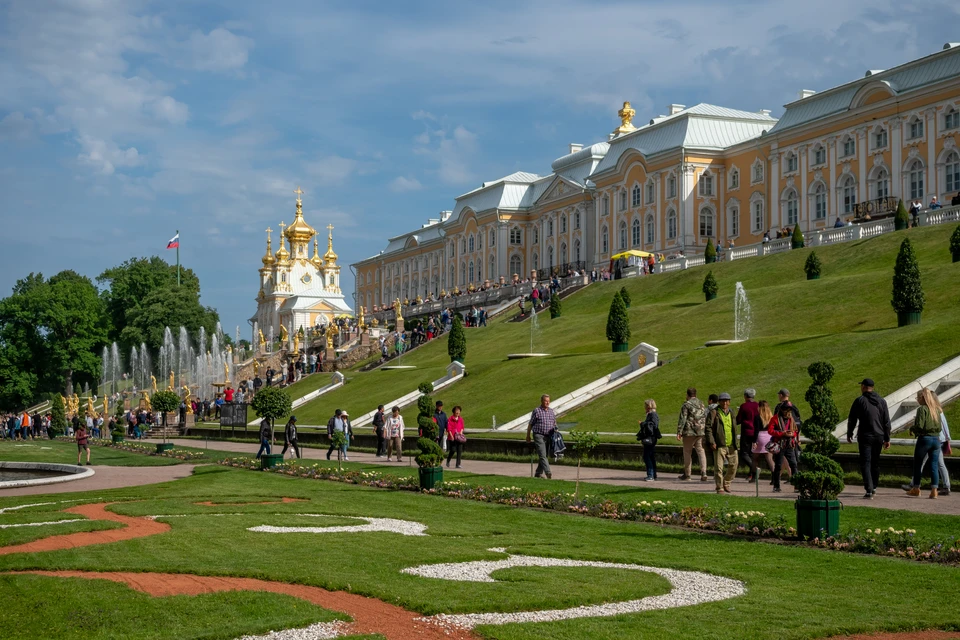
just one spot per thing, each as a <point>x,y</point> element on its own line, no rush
<point>632,252</point>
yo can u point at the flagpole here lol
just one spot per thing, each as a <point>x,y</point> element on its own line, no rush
<point>178,257</point>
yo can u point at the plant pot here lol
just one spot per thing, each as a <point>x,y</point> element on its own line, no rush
<point>796,245</point>
<point>900,225</point>
<point>116,439</point>
<point>709,259</point>
<point>710,296</point>
<point>430,477</point>
<point>817,518</point>
<point>621,347</point>
<point>164,446</point>
<point>270,460</point>
<point>905,318</point>
<point>956,256</point>
<point>813,276</point>
<point>554,315</point>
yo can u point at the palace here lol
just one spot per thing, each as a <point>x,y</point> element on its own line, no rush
<point>691,175</point>
<point>297,291</point>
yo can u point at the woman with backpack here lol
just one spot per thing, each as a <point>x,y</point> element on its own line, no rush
<point>648,435</point>
<point>784,442</point>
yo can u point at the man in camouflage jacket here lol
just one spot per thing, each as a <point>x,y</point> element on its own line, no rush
<point>690,430</point>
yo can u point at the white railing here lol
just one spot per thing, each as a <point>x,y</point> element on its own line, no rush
<point>816,238</point>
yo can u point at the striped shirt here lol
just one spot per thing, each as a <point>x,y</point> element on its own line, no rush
<point>543,421</point>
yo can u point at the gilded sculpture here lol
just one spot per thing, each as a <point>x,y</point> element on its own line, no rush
<point>283,333</point>
<point>263,340</point>
<point>186,398</point>
<point>226,373</point>
<point>626,117</point>
<point>153,384</point>
<point>296,342</point>
<point>256,368</point>
<point>397,309</point>
<point>331,331</point>
<point>91,411</point>
<point>76,403</point>
<point>360,320</point>
<point>170,386</point>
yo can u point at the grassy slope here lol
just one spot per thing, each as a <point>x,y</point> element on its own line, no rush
<point>844,317</point>
<point>818,588</point>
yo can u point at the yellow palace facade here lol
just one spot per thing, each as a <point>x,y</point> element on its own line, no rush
<point>690,175</point>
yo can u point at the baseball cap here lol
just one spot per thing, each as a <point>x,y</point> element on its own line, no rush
<point>724,396</point>
<point>867,382</point>
<point>784,392</point>
<point>293,418</point>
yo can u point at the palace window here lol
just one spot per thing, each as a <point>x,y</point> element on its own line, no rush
<point>549,228</point>
<point>706,223</point>
<point>463,245</point>
<point>635,232</point>
<point>650,191</point>
<point>734,215</point>
<point>849,146</point>
<point>605,205</point>
<point>479,240</point>
<point>916,179</point>
<point>516,236</point>
<point>563,253</point>
<point>635,195</point>
<point>758,172</point>
<point>951,119</point>
<point>881,185</point>
<point>536,235</point>
<point>576,219</point>
<point>735,178</point>
<point>651,230</point>
<point>576,251</point>
<point>791,162</point>
<point>623,200</point>
<point>463,273</point>
<point>705,184</point>
<point>880,139</point>
<point>820,155</point>
<point>493,238</point>
<point>793,208</point>
<point>470,244</point>
<point>604,241</point>
<point>757,218</point>
<point>820,202</point>
<point>672,187</point>
<point>849,194</point>
<point>470,272</point>
<point>916,128</point>
<point>563,223</point>
<point>952,168</point>
<point>623,235</point>
<point>536,262</point>
<point>550,256</point>
<point>672,225</point>
<point>516,266</point>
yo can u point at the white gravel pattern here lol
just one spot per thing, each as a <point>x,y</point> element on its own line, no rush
<point>689,588</point>
<point>388,525</point>
<point>40,524</point>
<point>318,631</point>
<point>24,506</point>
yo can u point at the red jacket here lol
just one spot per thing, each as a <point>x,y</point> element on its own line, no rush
<point>779,430</point>
<point>454,425</point>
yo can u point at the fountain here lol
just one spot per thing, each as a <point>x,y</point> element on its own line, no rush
<point>534,332</point>
<point>742,318</point>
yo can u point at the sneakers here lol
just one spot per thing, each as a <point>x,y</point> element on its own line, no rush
<point>684,477</point>
<point>346,458</point>
<point>458,466</point>
<point>777,490</point>
<point>944,492</point>
<point>648,479</point>
<point>549,476</point>
<point>914,491</point>
<point>750,478</point>
<point>868,495</point>
<point>906,487</point>
<point>704,478</point>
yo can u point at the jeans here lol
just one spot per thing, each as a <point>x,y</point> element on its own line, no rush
<point>746,454</point>
<point>790,453</point>
<point>870,448</point>
<point>725,467</point>
<point>381,443</point>
<point>290,443</point>
<point>650,459</point>
<point>944,476</point>
<point>927,446</point>
<point>343,448</point>
<point>543,466</point>
<point>454,446</point>
<point>264,446</point>
<point>690,444</point>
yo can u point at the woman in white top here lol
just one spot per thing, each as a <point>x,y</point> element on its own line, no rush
<point>394,433</point>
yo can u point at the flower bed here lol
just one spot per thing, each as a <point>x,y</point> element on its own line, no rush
<point>145,449</point>
<point>753,524</point>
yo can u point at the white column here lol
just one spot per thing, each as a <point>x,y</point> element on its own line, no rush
<point>685,212</point>
<point>802,213</point>
<point>862,164</point>
<point>776,214</point>
<point>833,180</point>
<point>896,156</point>
<point>930,188</point>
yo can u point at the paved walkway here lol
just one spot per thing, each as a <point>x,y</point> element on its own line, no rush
<point>107,478</point>
<point>852,495</point>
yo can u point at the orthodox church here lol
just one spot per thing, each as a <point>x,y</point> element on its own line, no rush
<point>297,290</point>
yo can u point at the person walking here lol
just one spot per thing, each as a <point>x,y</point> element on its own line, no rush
<point>870,418</point>
<point>264,438</point>
<point>927,427</point>
<point>764,417</point>
<point>784,434</point>
<point>722,438</point>
<point>648,436</point>
<point>543,422</point>
<point>455,436</point>
<point>290,437</point>
<point>440,419</point>
<point>378,429</point>
<point>334,424</point>
<point>747,416</point>
<point>690,430</point>
<point>347,433</point>
<point>81,437</point>
<point>394,432</point>
<point>784,399</point>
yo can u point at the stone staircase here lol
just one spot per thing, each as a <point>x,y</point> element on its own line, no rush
<point>160,432</point>
<point>563,294</point>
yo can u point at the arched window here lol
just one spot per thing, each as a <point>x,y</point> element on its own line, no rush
<point>463,245</point>
<point>463,273</point>
<point>880,183</point>
<point>734,178</point>
<point>915,179</point>
<point>756,217</point>
<point>470,274</point>
<point>952,169</point>
<point>576,219</point>
<point>635,232</point>
<point>820,202</point>
<point>479,274</point>
<point>479,240</point>
<point>672,225</point>
<point>733,215</point>
<point>791,163</point>
<point>915,130</point>
<point>672,186</point>
<point>792,207</point>
<point>516,266</point>
<point>623,200</point>
<point>880,138</point>
<point>283,277</point>
<point>536,235</point>
<point>848,190</point>
<point>576,251</point>
<point>650,191</point>
<point>951,119</point>
<point>536,262</point>
<point>492,268</point>
<point>549,228</point>
<point>651,230</point>
<point>604,240</point>
<point>470,244</point>
<point>563,253</point>
<point>706,223</point>
<point>563,223</point>
<point>493,238</point>
<point>605,205</point>
<point>849,147</point>
<point>623,235</point>
<point>819,155</point>
<point>635,196</point>
<point>705,184</point>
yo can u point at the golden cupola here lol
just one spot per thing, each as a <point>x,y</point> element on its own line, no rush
<point>330,257</point>
<point>283,256</point>
<point>268,259</point>
<point>299,233</point>
<point>316,259</point>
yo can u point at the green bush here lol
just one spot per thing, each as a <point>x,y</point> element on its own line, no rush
<point>271,403</point>
<point>457,342</point>
<point>710,253</point>
<point>955,241</point>
<point>556,306</point>
<point>710,286</point>
<point>907,288</point>
<point>58,417</point>
<point>796,240</point>
<point>618,323</point>
<point>583,442</point>
<point>431,455</point>
<point>819,477</point>
<point>812,266</point>
<point>625,295</point>
<point>902,219</point>
<point>165,402</point>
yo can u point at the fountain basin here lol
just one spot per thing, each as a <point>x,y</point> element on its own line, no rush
<point>29,474</point>
<point>520,356</point>
<point>392,367</point>
<point>719,343</point>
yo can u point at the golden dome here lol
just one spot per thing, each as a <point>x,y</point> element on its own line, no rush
<point>330,257</point>
<point>316,259</point>
<point>283,256</point>
<point>299,232</point>
<point>268,259</point>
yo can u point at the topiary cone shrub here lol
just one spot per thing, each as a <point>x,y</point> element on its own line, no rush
<point>710,287</point>
<point>710,253</point>
<point>625,296</point>
<point>818,428</point>
<point>902,219</point>
<point>618,324</point>
<point>796,240</point>
<point>58,417</point>
<point>812,266</point>
<point>556,306</point>
<point>908,299</point>
<point>457,342</point>
<point>955,244</point>
<point>431,455</point>
<point>272,403</point>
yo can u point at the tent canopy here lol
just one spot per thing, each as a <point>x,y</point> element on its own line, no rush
<point>631,253</point>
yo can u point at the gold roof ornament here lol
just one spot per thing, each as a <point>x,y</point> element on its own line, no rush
<point>299,232</point>
<point>330,257</point>
<point>283,256</point>
<point>268,258</point>
<point>316,259</point>
<point>626,119</point>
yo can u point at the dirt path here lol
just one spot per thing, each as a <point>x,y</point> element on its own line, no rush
<point>907,635</point>
<point>107,477</point>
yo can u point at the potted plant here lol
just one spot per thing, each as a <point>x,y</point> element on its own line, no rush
<point>618,325</point>
<point>58,417</point>
<point>955,244</point>
<point>271,403</point>
<point>710,287</point>
<point>117,434</point>
<point>796,240</point>
<point>710,253</point>
<point>583,443</point>
<point>337,440</point>
<point>901,220</point>
<point>164,402</point>
<point>625,296</point>
<point>812,266</point>
<point>820,478</point>
<point>457,342</point>
<point>908,299</point>
<point>556,306</point>
<point>430,458</point>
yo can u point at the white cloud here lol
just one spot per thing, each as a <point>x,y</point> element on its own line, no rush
<point>423,115</point>
<point>105,156</point>
<point>401,184</point>
<point>219,50</point>
<point>332,170</point>
<point>166,108</point>
<point>16,126</point>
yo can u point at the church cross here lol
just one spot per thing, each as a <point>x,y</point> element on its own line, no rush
<point>281,227</point>
<point>330,228</point>
<point>269,231</point>
<point>299,192</point>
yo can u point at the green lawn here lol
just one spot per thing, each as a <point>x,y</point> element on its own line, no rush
<point>816,583</point>
<point>66,453</point>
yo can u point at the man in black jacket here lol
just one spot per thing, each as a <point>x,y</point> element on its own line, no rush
<point>290,436</point>
<point>870,413</point>
<point>378,422</point>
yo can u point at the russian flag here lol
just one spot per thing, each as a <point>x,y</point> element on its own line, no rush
<point>174,242</point>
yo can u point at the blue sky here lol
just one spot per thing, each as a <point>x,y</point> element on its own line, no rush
<point>121,121</point>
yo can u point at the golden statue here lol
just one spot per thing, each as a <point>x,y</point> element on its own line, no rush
<point>226,373</point>
<point>256,368</point>
<point>170,386</point>
<point>360,319</point>
<point>153,384</point>
<point>186,398</point>
<point>262,339</point>
<point>146,401</point>
<point>76,403</point>
<point>397,309</point>
<point>626,116</point>
<point>419,300</point>
<point>296,342</point>
<point>66,404</point>
<point>331,331</point>
<point>283,333</point>
<point>91,411</point>
<point>106,407</point>
<point>374,323</point>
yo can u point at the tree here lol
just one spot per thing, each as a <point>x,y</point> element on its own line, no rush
<point>812,266</point>
<point>710,286</point>
<point>618,323</point>
<point>955,244</point>
<point>457,342</point>
<point>58,417</point>
<point>75,327</point>
<point>710,252</point>
<point>820,478</point>
<point>431,455</point>
<point>583,443</point>
<point>272,403</point>
<point>907,288</point>
<point>167,307</point>
<point>165,401</point>
<point>796,240</point>
<point>625,295</point>
<point>902,219</point>
<point>556,306</point>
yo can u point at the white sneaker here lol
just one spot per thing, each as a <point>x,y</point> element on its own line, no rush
<point>345,458</point>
